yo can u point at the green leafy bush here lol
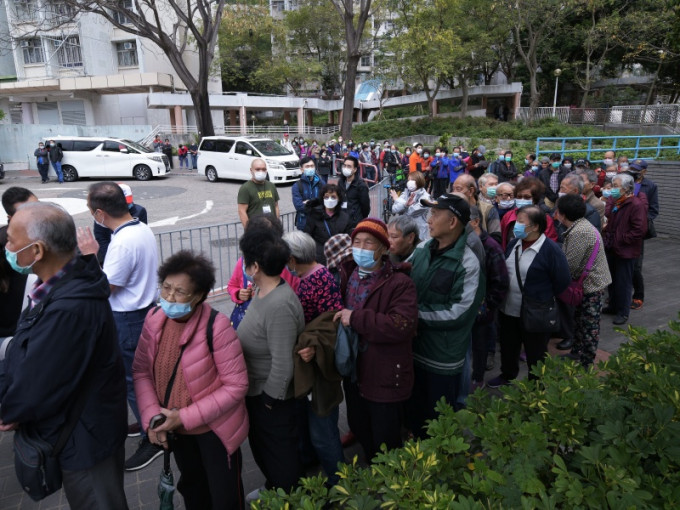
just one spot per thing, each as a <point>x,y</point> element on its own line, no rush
<point>573,439</point>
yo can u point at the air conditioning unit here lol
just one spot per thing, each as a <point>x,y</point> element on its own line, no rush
<point>24,44</point>
<point>128,46</point>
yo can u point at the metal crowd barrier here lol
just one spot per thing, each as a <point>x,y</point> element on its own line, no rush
<point>220,242</point>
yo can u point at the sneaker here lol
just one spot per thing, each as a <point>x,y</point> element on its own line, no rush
<point>145,455</point>
<point>254,495</point>
<point>490,360</point>
<point>497,382</point>
<point>134,430</point>
<point>620,319</point>
<point>476,385</point>
<point>636,304</point>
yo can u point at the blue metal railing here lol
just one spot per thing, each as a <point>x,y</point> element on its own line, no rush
<point>635,147</point>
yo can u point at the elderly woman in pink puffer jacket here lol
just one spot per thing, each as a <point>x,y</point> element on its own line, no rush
<point>195,395</point>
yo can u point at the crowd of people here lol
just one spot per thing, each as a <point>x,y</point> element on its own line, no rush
<point>478,255</point>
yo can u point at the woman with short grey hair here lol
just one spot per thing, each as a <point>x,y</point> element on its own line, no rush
<point>623,235</point>
<point>318,293</point>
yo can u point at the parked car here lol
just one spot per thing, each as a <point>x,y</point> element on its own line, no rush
<point>107,158</point>
<point>229,157</point>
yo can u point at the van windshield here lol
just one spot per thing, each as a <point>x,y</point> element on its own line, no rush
<point>271,148</point>
<point>136,146</point>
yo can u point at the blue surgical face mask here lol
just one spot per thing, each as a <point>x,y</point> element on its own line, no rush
<point>248,277</point>
<point>11,257</point>
<point>521,202</point>
<point>491,191</point>
<point>309,172</point>
<point>175,310</point>
<point>364,258</point>
<point>501,157</point>
<point>616,192</point>
<point>506,204</point>
<point>519,230</point>
<point>606,193</point>
<point>534,169</point>
<point>526,161</point>
<point>508,158</point>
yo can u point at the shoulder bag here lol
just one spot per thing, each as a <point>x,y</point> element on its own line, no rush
<point>239,310</point>
<point>536,316</point>
<point>573,294</point>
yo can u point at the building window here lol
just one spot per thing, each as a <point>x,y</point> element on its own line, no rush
<point>32,50</point>
<point>127,54</point>
<point>365,61</point>
<point>26,10</point>
<point>120,17</point>
<point>59,11</point>
<point>68,51</point>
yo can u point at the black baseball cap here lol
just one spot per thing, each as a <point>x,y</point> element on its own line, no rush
<point>453,203</point>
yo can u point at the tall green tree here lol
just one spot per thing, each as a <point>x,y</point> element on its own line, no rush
<point>426,44</point>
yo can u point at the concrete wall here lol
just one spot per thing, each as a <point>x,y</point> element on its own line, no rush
<point>19,141</point>
<point>666,176</point>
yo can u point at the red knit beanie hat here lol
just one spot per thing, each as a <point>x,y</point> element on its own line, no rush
<point>375,227</point>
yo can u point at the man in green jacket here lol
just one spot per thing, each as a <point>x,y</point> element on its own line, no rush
<point>450,285</point>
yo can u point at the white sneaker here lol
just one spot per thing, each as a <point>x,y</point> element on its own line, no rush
<point>254,495</point>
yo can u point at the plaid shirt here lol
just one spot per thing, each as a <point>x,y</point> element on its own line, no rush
<point>579,243</point>
<point>41,289</point>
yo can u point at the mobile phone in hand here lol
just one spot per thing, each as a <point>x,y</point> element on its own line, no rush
<point>157,421</point>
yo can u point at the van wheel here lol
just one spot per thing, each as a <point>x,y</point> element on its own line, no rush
<point>70,174</point>
<point>211,174</point>
<point>142,173</point>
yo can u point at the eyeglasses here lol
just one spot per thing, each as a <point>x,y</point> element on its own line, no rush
<point>180,294</point>
<point>504,195</point>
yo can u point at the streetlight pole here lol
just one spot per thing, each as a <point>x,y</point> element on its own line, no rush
<point>557,82</point>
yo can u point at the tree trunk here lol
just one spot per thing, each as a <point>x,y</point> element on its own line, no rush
<point>348,99</point>
<point>464,100</point>
<point>584,99</point>
<point>533,103</point>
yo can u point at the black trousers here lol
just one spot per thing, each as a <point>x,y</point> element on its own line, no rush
<point>210,478</point>
<point>373,423</point>
<point>512,336</point>
<point>273,439</point>
<point>428,389</point>
<point>621,288</point>
<point>97,488</point>
<point>638,280</point>
<point>567,323</point>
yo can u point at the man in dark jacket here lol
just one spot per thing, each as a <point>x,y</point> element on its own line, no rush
<point>56,155</point>
<point>68,328</point>
<point>307,188</point>
<point>552,176</point>
<point>356,190</point>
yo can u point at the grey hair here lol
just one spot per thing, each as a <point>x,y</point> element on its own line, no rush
<point>52,225</point>
<point>589,173</point>
<point>302,246</point>
<point>406,225</point>
<point>627,181</point>
<point>485,177</point>
<point>573,179</point>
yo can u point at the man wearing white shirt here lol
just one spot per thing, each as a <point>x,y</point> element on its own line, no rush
<point>130,266</point>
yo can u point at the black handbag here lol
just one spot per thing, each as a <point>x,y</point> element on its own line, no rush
<point>536,316</point>
<point>651,229</point>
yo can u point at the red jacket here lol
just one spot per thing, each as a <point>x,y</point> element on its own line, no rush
<point>217,382</point>
<point>508,222</point>
<point>386,324</point>
<point>626,228</point>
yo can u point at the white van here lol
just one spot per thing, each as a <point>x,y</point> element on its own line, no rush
<point>229,157</point>
<point>108,158</point>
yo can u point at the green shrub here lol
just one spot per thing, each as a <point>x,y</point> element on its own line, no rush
<point>573,439</point>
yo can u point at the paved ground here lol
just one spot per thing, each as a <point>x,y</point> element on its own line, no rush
<point>662,273</point>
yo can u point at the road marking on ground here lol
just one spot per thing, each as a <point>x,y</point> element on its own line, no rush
<point>174,219</point>
<point>73,206</point>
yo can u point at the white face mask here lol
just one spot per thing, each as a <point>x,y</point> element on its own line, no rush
<point>346,172</point>
<point>330,203</point>
<point>608,162</point>
<point>419,151</point>
<point>260,176</point>
<point>411,185</point>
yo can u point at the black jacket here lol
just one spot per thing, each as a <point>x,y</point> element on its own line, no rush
<point>46,361</point>
<point>358,202</point>
<point>544,175</point>
<point>321,226</point>
<point>56,154</point>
